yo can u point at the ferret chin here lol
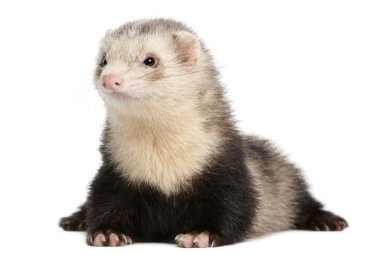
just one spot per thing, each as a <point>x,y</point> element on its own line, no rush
<point>175,168</point>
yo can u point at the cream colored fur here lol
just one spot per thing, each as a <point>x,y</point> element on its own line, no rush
<point>174,120</point>
<point>158,133</point>
<point>277,193</point>
<point>165,153</point>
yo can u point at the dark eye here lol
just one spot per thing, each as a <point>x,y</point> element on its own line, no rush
<point>104,62</point>
<point>149,61</point>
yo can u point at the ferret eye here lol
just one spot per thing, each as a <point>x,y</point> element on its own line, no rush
<point>104,62</point>
<point>149,61</point>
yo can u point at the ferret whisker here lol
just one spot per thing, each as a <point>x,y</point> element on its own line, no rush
<point>82,94</point>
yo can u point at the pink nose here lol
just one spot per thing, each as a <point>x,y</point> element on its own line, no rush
<point>112,82</point>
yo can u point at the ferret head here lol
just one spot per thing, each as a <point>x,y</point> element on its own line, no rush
<point>148,62</point>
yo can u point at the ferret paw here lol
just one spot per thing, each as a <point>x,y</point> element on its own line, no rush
<point>108,238</point>
<point>197,240</point>
<point>327,221</point>
<point>73,223</point>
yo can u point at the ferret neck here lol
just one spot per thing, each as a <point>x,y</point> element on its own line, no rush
<point>165,151</point>
<point>152,117</point>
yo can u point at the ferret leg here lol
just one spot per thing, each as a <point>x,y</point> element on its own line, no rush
<point>108,238</point>
<point>75,222</point>
<point>321,220</point>
<point>197,240</point>
<point>106,227</point>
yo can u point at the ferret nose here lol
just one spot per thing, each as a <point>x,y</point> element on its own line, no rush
<point>112,82</point>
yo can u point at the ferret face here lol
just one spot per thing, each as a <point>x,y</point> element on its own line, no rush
<point>147,68</point>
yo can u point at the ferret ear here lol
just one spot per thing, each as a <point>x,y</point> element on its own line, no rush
<point>187,46</point>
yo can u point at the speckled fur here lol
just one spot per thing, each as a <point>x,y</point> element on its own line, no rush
<point>174,164</point>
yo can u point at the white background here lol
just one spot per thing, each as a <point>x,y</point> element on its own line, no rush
<point>305,74</point>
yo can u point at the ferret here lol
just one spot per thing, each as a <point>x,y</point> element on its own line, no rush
<point>175,168</point>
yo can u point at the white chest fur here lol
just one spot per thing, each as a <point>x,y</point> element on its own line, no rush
<point>165,155</point>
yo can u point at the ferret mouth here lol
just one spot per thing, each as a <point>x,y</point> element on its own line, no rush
<point>119,96</point>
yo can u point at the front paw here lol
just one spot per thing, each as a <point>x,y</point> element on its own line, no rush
<point>108,238</point>
<point>197,240</point>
